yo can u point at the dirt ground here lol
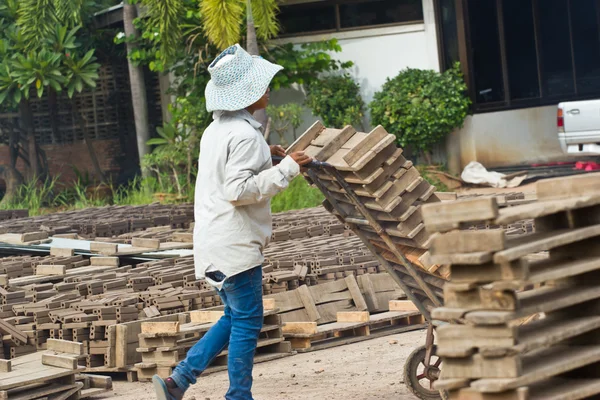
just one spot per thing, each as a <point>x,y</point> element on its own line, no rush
<point>361,371</point>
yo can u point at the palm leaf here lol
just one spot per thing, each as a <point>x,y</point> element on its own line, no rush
<point>222,21</point>
<point>165,15</point>
<point>37,19</point>
<point>265,13</point>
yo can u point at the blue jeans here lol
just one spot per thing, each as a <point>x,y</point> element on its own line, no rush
<point>239,328</point>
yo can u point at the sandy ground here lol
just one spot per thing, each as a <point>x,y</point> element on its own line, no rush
<point>361,371</point>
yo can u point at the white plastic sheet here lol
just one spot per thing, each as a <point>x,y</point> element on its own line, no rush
<point>477,174</point>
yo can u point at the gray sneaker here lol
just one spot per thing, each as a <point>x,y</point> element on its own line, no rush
<point>166,389</point>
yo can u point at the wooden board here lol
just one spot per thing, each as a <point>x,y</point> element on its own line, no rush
<point>446,216</point>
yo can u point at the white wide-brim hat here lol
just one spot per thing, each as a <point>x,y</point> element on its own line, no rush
<point>238,80</point>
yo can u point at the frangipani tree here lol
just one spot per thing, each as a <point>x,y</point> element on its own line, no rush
<point>40,54</point>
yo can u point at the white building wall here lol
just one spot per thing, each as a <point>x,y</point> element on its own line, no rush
<point>503,138</point>
<point>377,54</point>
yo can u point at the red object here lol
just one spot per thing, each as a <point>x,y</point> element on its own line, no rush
<point>587,166</point>
<point>560,120</point>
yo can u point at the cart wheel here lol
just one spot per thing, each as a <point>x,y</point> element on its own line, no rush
<point>418,378</point>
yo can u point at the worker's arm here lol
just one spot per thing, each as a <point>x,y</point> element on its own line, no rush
<point>244,184</point>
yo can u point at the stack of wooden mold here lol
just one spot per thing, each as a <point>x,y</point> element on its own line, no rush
<point>378,192</point>
<point>52,374</point>
<point>345,311</point>
<point>488,353</point>
<point>163,345</point>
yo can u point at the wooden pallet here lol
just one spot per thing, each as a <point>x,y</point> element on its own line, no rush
<point>51,374</point>
<point>492,356</point>
<point>351,327</point>
<point>165,344</point>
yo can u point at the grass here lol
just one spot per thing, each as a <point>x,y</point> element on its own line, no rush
<point>431,178</point>
<point>297,196</point>
<point>49,196</point>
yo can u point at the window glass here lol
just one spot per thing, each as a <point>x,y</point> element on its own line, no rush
<point>521,56</point>
<point>586,45</point>
<point>557,63</point>
<point>303,18</point>
<point>485,51</point>
<point>379,12</point>
<point>449,32</point>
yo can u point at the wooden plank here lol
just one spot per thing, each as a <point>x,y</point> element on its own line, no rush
<point>40,392</point>
<point>536,301</point>
<point>160,327</point>
<point>104,248</point>
<point>308,302</point>
<point>146,243</point>
<point>33,236</point>
<point>365,145</point>
<point>468,241</point>
<point>509,215</point>
<point>61,252</point>
<point>557,188</point>
<point>300,327</point>
<point>68,394</point>
<point>357,296</point>
<point>45,270</point>
<point>402,305</point>
<point>65,346</point>
<point>542,366</point>
<point>121,345</point>
<point>268,304</point>
<point>446,216</point>
<point>5,366</point>
<point>545,241</point>
<point>353,316</point>
<point>307,137</point>
<point>369,291</point>
<point>104,261</point>
<point>205,317</point>
<point>332,146</point>
<point>60,361</point>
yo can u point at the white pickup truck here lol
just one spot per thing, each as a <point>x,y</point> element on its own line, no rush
<point>578,125</point>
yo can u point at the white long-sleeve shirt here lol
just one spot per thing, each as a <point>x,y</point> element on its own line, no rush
<point>236,180</point>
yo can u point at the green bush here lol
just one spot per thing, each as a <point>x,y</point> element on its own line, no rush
<point>297,196</point>
<point>336,100</point>
<point>421,107</point>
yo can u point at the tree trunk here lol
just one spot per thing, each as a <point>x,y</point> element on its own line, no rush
<point>252,48</point>
<point>13,145</point>
<point>138,87</point>
<point>26,120</point>
<point>13,180</point>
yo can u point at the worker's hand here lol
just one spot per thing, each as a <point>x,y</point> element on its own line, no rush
<point>277,150</point>
<point>300,158</point>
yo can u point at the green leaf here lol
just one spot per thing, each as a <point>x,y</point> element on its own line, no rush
<point>156,142</point>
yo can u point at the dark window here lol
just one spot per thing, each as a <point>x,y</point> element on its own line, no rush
<point>380,12</point>
<point>323,15</point>
<point>447,20</point>
<point>487,61</point>
<point>312,17</point>
<point>586,46</point>
<point>523,53</point>
<point>521,57</point>
<point>557,58</point>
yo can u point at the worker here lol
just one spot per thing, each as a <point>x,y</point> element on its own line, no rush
<point>236,180</point>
